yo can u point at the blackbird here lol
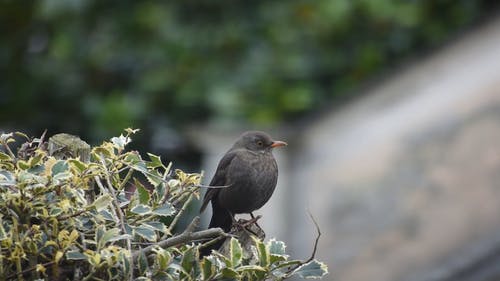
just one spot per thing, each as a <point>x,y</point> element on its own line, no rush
<point>247,176</point>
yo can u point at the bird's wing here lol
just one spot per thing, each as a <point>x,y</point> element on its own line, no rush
<point>219,179</point>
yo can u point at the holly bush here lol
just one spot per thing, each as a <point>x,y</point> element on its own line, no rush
<point>113,215</point>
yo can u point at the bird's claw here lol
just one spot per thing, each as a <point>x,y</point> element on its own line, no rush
<point>246,225</point>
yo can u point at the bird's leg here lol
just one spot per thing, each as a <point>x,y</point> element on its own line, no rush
<point>247,223</point>
<point>255,219</point>
<point>233,219</point>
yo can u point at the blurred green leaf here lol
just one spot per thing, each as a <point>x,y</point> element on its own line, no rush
<point>75,255</point>
<point>235,252</point>
<point>144,196</point>
<point>102,202</point>
<point>164,210</point>
<point>59,167</point>
<point>141,209</point>
<point>146,233</point>
<point>312,269</point>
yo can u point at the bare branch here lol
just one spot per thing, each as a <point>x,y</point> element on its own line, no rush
<point>40,143</point>
<point>315,247</point>
<point>212,186</point>
<point>181,211</point>
<point>318,230</point>
<point>185,237</point>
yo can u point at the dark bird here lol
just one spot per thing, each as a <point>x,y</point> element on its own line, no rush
<point>247,175</point>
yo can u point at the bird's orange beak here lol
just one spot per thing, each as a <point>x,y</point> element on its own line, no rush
<point>278,143</point>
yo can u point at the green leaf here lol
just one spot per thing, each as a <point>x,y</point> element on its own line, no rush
<point>54,212</point>
<point>59,167</point>
<point>277,251</point>
<point>235,252</point>
<point>155,161</point>
<point>141,209</point>
<point>21,134</point>
<point>156,225</point>
<point>163,257</point>
<point>23,165</point>
<point>142,263</point>
<point>251,268</point>
<point>126,263</point>
<point>120,237</point>
<point>312,269</point>
<point>143,193</point>
<point>61,177</point>
<point>189,259</point>
<point>109,235</point>
<point>36,159</point>
<point>262,252</point>
<point>78,165</point>
<point>230,273</point>
<point>154,177</point>
<point>276,247</point>
<point>207,269</point>
<point>132,158</point>
<point>102,202</point>
<point>7,178</point>
<point>145,233</point>
<point>4,157</point>
<point>75,255</point>
<point>3,234</point>
<point>107,215</point>
<point>164,210</point>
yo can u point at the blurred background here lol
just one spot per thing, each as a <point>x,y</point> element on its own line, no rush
<point>391,109</point>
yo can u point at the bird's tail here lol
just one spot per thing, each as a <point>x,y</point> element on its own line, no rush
<point>220,218</point>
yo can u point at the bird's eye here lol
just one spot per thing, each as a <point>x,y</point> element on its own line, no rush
<point>260,143</point>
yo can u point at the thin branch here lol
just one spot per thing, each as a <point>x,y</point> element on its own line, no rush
<point>40,143</point>
<point>181,211</point>
<point>29,270</point>
<point>77,213</point>
<point>187,236</point>
<point>318,230</point>
<point>125,180</point>
<point>193,225</point>
<point>6,145</point>
<point>315,247</point>
<point>212,186</point>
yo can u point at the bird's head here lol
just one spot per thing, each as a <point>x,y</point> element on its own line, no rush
<point>257,141</point>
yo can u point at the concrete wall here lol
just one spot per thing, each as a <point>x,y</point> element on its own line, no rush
<point>402,180</point>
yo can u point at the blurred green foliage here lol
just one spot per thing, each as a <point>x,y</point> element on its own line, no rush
<point>95,67</point>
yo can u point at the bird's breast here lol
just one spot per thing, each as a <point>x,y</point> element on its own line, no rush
<point>251,182</point>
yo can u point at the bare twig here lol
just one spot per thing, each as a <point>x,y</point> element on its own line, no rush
<point>212,186</point>
<point>29,270</point>
<point>315,247</point>
<point>187,236</point>
<point>77,213</point>
<point>214,240</point>
<point>179,214</point>
<point>7,148</point>
<point>40,143</point>
<point>318,230</point>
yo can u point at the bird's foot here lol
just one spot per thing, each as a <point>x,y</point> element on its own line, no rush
<point>256,219</point>
<point>253,220</point>
<point>247,225</point>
